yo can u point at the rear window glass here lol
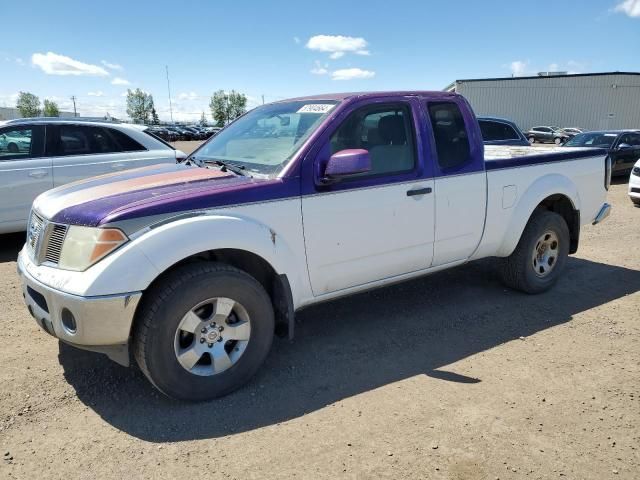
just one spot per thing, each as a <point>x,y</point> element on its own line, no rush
<point>156,137</point>
<point>127,144</point>
<point>494,131</point>
<point>450,134</point>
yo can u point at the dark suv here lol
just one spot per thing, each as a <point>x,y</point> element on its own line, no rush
<point>547,135</point>
<point>500,131</point>
<point>623,147</point>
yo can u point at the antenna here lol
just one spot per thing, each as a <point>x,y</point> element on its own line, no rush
<point>169,90</point>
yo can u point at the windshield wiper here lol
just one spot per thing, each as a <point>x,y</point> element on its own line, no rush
<point>237,169</point>
<point>232,167</point>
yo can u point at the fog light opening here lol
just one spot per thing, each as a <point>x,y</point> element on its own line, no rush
<point>68,321</point>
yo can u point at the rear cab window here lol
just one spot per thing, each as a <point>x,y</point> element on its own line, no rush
<point>450,135</point>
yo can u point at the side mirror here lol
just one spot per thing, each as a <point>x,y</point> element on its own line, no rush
<point>624,146</point>
<point>345,163</point>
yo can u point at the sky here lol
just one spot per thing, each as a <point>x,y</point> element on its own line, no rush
<point>277,49</point>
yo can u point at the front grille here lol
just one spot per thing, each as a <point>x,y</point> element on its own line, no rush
<point>45,239</point>
<point>55,239</point>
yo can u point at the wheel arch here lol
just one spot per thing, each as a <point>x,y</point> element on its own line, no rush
<point>553,192</point>
<point>276,285</point>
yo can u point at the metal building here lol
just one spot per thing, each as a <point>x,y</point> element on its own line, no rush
<point>592,100</point>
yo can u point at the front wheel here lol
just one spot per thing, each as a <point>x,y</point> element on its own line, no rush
<point>532,140</point>
<point>557,141</point>
<point>203,331</point>
<point>541,254</point>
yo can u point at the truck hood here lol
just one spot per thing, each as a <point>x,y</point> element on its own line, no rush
<point>153,190</point>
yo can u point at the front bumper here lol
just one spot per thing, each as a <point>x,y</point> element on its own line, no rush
<point>101,324</point>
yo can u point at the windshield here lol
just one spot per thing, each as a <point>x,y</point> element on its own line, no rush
<point>266,138</point>
<point>592,139</point>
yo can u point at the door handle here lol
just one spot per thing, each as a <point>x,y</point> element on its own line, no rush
<point>419,191</point>
<point>38,174</point>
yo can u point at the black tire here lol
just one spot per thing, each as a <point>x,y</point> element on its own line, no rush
<point>13,148</point>
<point>166,303</point>
<point>532,140</point>
<point>557,141</point>
<point>518,271</point>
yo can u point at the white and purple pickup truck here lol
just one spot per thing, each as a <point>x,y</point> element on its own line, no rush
<point>193,267</point>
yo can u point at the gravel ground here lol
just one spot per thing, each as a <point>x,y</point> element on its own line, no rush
<point>447,377</point>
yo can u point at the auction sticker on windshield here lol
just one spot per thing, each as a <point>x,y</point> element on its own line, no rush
<point>316,108</point>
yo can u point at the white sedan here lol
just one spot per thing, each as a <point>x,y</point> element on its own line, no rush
<point>39,154</point>
<point>634,184</point>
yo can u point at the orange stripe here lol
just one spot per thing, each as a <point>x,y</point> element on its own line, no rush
<point>140,183</point>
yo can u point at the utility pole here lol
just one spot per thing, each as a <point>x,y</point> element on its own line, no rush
<point>75,113</point>
<point>263,98</point>
<point>169,90</point>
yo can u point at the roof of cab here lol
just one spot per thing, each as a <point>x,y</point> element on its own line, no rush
<point>349,95</point>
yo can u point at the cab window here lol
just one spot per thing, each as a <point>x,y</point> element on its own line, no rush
<point>386,131</point>
<point>450,134</point>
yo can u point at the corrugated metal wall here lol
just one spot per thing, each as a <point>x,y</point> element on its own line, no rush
<point>609,101</point>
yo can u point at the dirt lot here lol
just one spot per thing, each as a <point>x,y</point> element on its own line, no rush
<point>447,377</point>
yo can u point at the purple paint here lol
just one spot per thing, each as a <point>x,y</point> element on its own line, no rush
<point>348,162</point>
<point>303,174</point>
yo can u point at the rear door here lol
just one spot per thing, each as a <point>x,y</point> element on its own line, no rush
<point>81,151</point>
<point>460,182</point>
<point>25,173</point>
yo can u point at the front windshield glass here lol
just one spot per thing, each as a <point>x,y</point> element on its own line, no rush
<point>592,139</point>
<point>266,138</point>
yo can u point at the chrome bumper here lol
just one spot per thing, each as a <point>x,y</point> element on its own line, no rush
<point>100,324</point>
<point>604,212</point>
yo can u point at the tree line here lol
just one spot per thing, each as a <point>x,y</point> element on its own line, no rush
<point>28,105</point>
<point>225,107</point>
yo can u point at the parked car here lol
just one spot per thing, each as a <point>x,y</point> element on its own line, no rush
<point>193,267</point>
<point>73,150</point>
<point>623,147</point>
<point>572,132</point>
<point>634,184</point>
<point>547,135</point>
<point>500,131</point>
<point>15,142</point>
<point>164,133</point>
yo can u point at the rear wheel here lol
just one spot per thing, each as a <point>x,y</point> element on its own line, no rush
<point>557,141</point>
<point>532,139</point>
<point>203,331</point>
<point>541,254</point>
<point>12,147</point>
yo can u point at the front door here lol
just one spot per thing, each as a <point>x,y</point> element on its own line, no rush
<point>24,174</point>
<point>378,224</point>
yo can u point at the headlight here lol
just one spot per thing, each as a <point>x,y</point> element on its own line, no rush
<point>636,171</point>
<point>84,246</point>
